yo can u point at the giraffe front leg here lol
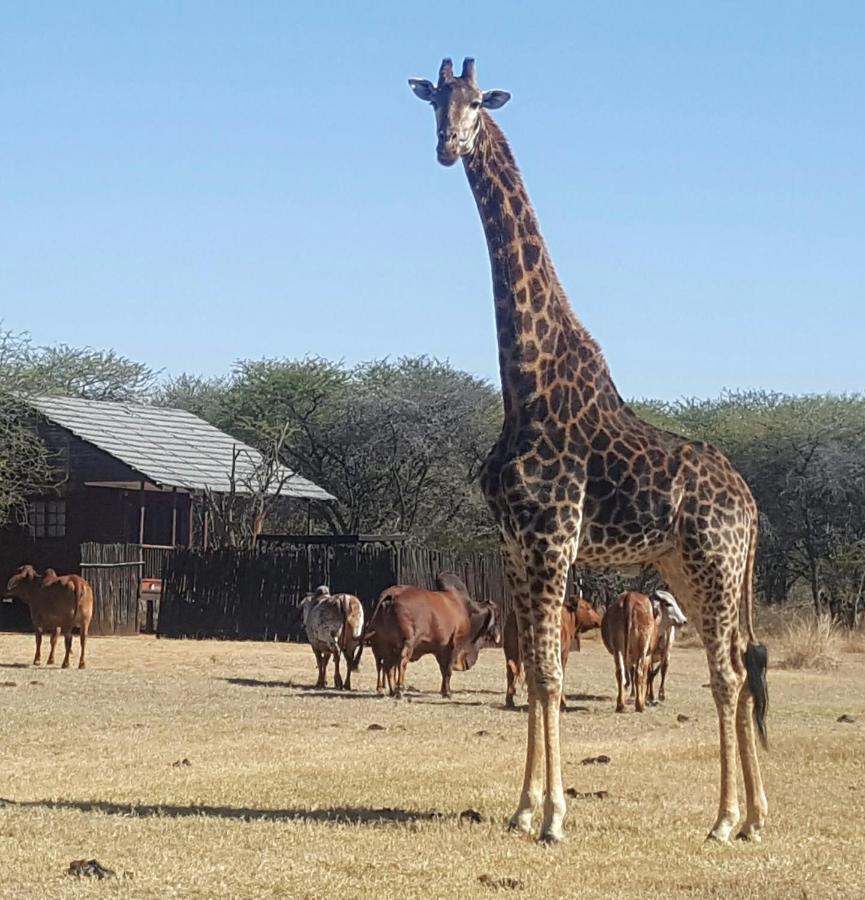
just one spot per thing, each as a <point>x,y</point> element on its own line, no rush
<point>546,605</point>
<point>532,790</point>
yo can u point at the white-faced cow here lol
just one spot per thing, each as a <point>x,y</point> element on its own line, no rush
<point>670,617</point>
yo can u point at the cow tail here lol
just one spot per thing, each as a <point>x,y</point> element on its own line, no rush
<point>756,656</point>
<point>368,630</point>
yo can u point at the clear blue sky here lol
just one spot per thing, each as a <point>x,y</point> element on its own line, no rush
<point>192,183</point>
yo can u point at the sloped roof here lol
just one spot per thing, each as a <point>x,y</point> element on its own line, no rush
<point>168,447</point>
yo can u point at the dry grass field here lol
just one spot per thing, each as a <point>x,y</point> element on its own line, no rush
<point>289,791</point>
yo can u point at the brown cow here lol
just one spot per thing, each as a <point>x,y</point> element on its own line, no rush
<point>57,603</point>
<point>629,630</point>
<point>409,622</point>
<point>578,616</point>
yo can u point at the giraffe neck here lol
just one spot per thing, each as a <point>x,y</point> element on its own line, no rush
<point>540,339</point>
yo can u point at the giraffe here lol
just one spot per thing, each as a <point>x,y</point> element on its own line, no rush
<point>577,474</point>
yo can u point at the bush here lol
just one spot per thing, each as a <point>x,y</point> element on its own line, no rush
<point>811,643</point>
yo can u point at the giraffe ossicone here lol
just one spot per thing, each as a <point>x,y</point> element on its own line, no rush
<point>576,474</point>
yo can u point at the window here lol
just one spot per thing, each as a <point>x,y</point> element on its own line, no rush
<point>48,518</point>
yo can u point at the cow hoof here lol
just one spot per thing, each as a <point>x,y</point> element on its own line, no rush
<point>620,709</point>
<point>81,665</point>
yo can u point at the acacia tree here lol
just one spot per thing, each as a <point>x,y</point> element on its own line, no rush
<point>398,443</point>
<point>26,370</point>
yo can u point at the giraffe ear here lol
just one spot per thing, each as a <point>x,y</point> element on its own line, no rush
<point>495,99</point>
<point>422,88</point>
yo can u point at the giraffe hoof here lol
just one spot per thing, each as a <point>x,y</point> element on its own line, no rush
<point>549,837</point>
<point>520,824</point>
<point>716,836</point>
<point>749,833</point>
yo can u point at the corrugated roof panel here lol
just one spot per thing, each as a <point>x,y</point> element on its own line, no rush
<point>169,447</point>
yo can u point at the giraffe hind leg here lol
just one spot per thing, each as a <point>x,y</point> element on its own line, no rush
<point>711,589</point>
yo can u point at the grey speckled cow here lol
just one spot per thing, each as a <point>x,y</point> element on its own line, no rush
<point>334,625</point>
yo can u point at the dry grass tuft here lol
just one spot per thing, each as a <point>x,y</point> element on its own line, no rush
<point>854,641</point>
<point>811,643</point>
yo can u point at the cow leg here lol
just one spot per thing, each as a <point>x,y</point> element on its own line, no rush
<point>38,657</point>
<point>379,675</point>
<point>348,654</point>
<point>337,677</point>
<point>67,640</point>
<point>621,680</point>
<point>445,661</point>
<point>510,668</point>
<point>82,639</point>
<point>640,679</point>
<point>662,695</point>
<point>53,637</point>
<point>392,680</point>
<point>565,652</point>
<point>321,660</point>
<point>404,658</point>
<point>650,685</point>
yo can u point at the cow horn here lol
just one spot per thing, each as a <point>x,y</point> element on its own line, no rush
<point>446,72</point>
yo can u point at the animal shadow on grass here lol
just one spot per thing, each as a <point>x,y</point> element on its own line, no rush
<point>447,701</point>
<point>258,682</point>
<point>342,815</point>
<point>305,690</point>
<point>589,698</point>
<point>17,666</point>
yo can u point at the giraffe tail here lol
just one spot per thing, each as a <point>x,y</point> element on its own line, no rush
<point>756,656</point>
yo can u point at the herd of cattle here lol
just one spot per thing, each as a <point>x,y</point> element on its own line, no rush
<point>409,622</point>
<point>406,624</point>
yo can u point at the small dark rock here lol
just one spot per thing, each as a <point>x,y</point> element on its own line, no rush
<point>846,718</point>
<point>89,868</point>
<point>683,718</point>
<point>471,816</point>
<point>181,762</point>
<point>601,760</point>
<point>375,727</point>
<point>482,733</point>
<point>587,795</point>
<point>37,683</point>
<point>501,884</point>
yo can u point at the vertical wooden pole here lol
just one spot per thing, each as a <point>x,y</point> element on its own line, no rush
<point>309,516</point>
<point>141,513</point>
<point>174,517</point>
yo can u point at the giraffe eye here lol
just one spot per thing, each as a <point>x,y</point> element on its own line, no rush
<point>476,104</point>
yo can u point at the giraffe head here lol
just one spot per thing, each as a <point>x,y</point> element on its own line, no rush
<point>457,103</point>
